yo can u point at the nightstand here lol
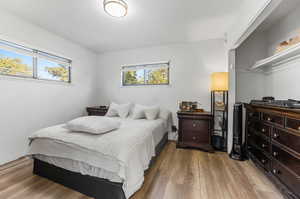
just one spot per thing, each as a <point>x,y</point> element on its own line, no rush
<point>195,130</point>
<point>97,110</point>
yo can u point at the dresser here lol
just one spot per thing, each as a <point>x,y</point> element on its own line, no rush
<point>97,110</point>
<point>273,144</point>
<point>195,130</point>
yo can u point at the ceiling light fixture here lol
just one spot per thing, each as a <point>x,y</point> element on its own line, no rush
<point>115,8</point>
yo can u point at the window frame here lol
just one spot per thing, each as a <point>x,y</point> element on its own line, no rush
<point>36,54</point>
<point>145,67</point>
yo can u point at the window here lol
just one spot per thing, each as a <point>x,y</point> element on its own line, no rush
<point>147,74</point>
<point>20,61</point>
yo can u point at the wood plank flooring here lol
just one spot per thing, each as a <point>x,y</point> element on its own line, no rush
<point>177,174</point>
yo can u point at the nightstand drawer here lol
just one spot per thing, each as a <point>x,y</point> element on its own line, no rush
<point>194,136</point>
<point>195,125</point>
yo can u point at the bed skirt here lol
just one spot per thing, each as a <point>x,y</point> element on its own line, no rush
<point>97,188</point>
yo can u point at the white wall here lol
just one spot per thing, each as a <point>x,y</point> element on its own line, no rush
<point>250,85</point>
<point>191,66</point>
<point>28,105</point>
<point>284,84</point>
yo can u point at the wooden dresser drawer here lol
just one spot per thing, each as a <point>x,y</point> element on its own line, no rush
<point>260,157</point>
<point>194,125</point>
<point>290,140</point>
<point>261,128</point>
<point>253,115</point>
<point>275,119</point>
<point>260,143</point>
<point>289,160</point>
<point>273,143</point>
<point>293,124</point>
<point>287,177</point>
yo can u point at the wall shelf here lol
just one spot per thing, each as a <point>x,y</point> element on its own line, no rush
<point>280,58</point>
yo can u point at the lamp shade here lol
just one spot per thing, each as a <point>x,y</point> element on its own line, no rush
<point>219,81</point>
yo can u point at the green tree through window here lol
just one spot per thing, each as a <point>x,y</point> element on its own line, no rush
<point>157,74</point>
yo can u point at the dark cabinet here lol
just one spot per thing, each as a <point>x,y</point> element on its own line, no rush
<point>195,130</point>
<point>273,144</point>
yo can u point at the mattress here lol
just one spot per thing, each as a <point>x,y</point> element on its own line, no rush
<point>57,150</point>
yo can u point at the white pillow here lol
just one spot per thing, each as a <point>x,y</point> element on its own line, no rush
<point>164,114</point>
<point>93,124</point>
<point>121,110</point>
<point>148,112</point>
<point>112,111</point>
<point>138,112</point>
<point>151,113</point>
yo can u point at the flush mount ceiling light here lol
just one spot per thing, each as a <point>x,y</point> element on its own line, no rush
<point>115,8</point>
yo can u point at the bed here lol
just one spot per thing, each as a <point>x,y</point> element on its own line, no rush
<point>109,166</point>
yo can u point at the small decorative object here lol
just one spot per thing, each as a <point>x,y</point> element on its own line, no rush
<point>288,43</point>
<point>103,107</point>
<point>220,105</point>
<point>188,106</point>
<point>199,110</point>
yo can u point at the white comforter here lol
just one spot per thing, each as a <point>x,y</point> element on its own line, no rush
<point>131,148</point>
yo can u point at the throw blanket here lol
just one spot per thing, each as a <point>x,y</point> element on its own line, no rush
<point>131,146</point>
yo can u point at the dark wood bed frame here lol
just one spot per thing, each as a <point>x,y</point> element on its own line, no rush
<point>97,188</point>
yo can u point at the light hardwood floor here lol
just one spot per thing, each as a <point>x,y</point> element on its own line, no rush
<point>177,174</point>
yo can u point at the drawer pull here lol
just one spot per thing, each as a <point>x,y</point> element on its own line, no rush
<point>275,154</point>
<point>264,145</point>
<point>299,128</point>
<point>194,125</point>
<point>263,130</point>
<point>275,171</point>
<point>264,161</point>
<point>276,135</point>
<point>269,119</point>
<point>194,138</point>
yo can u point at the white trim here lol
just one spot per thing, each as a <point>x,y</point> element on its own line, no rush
<point>10,39</point>
<point>255,21</point>
<point>146,63</point>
